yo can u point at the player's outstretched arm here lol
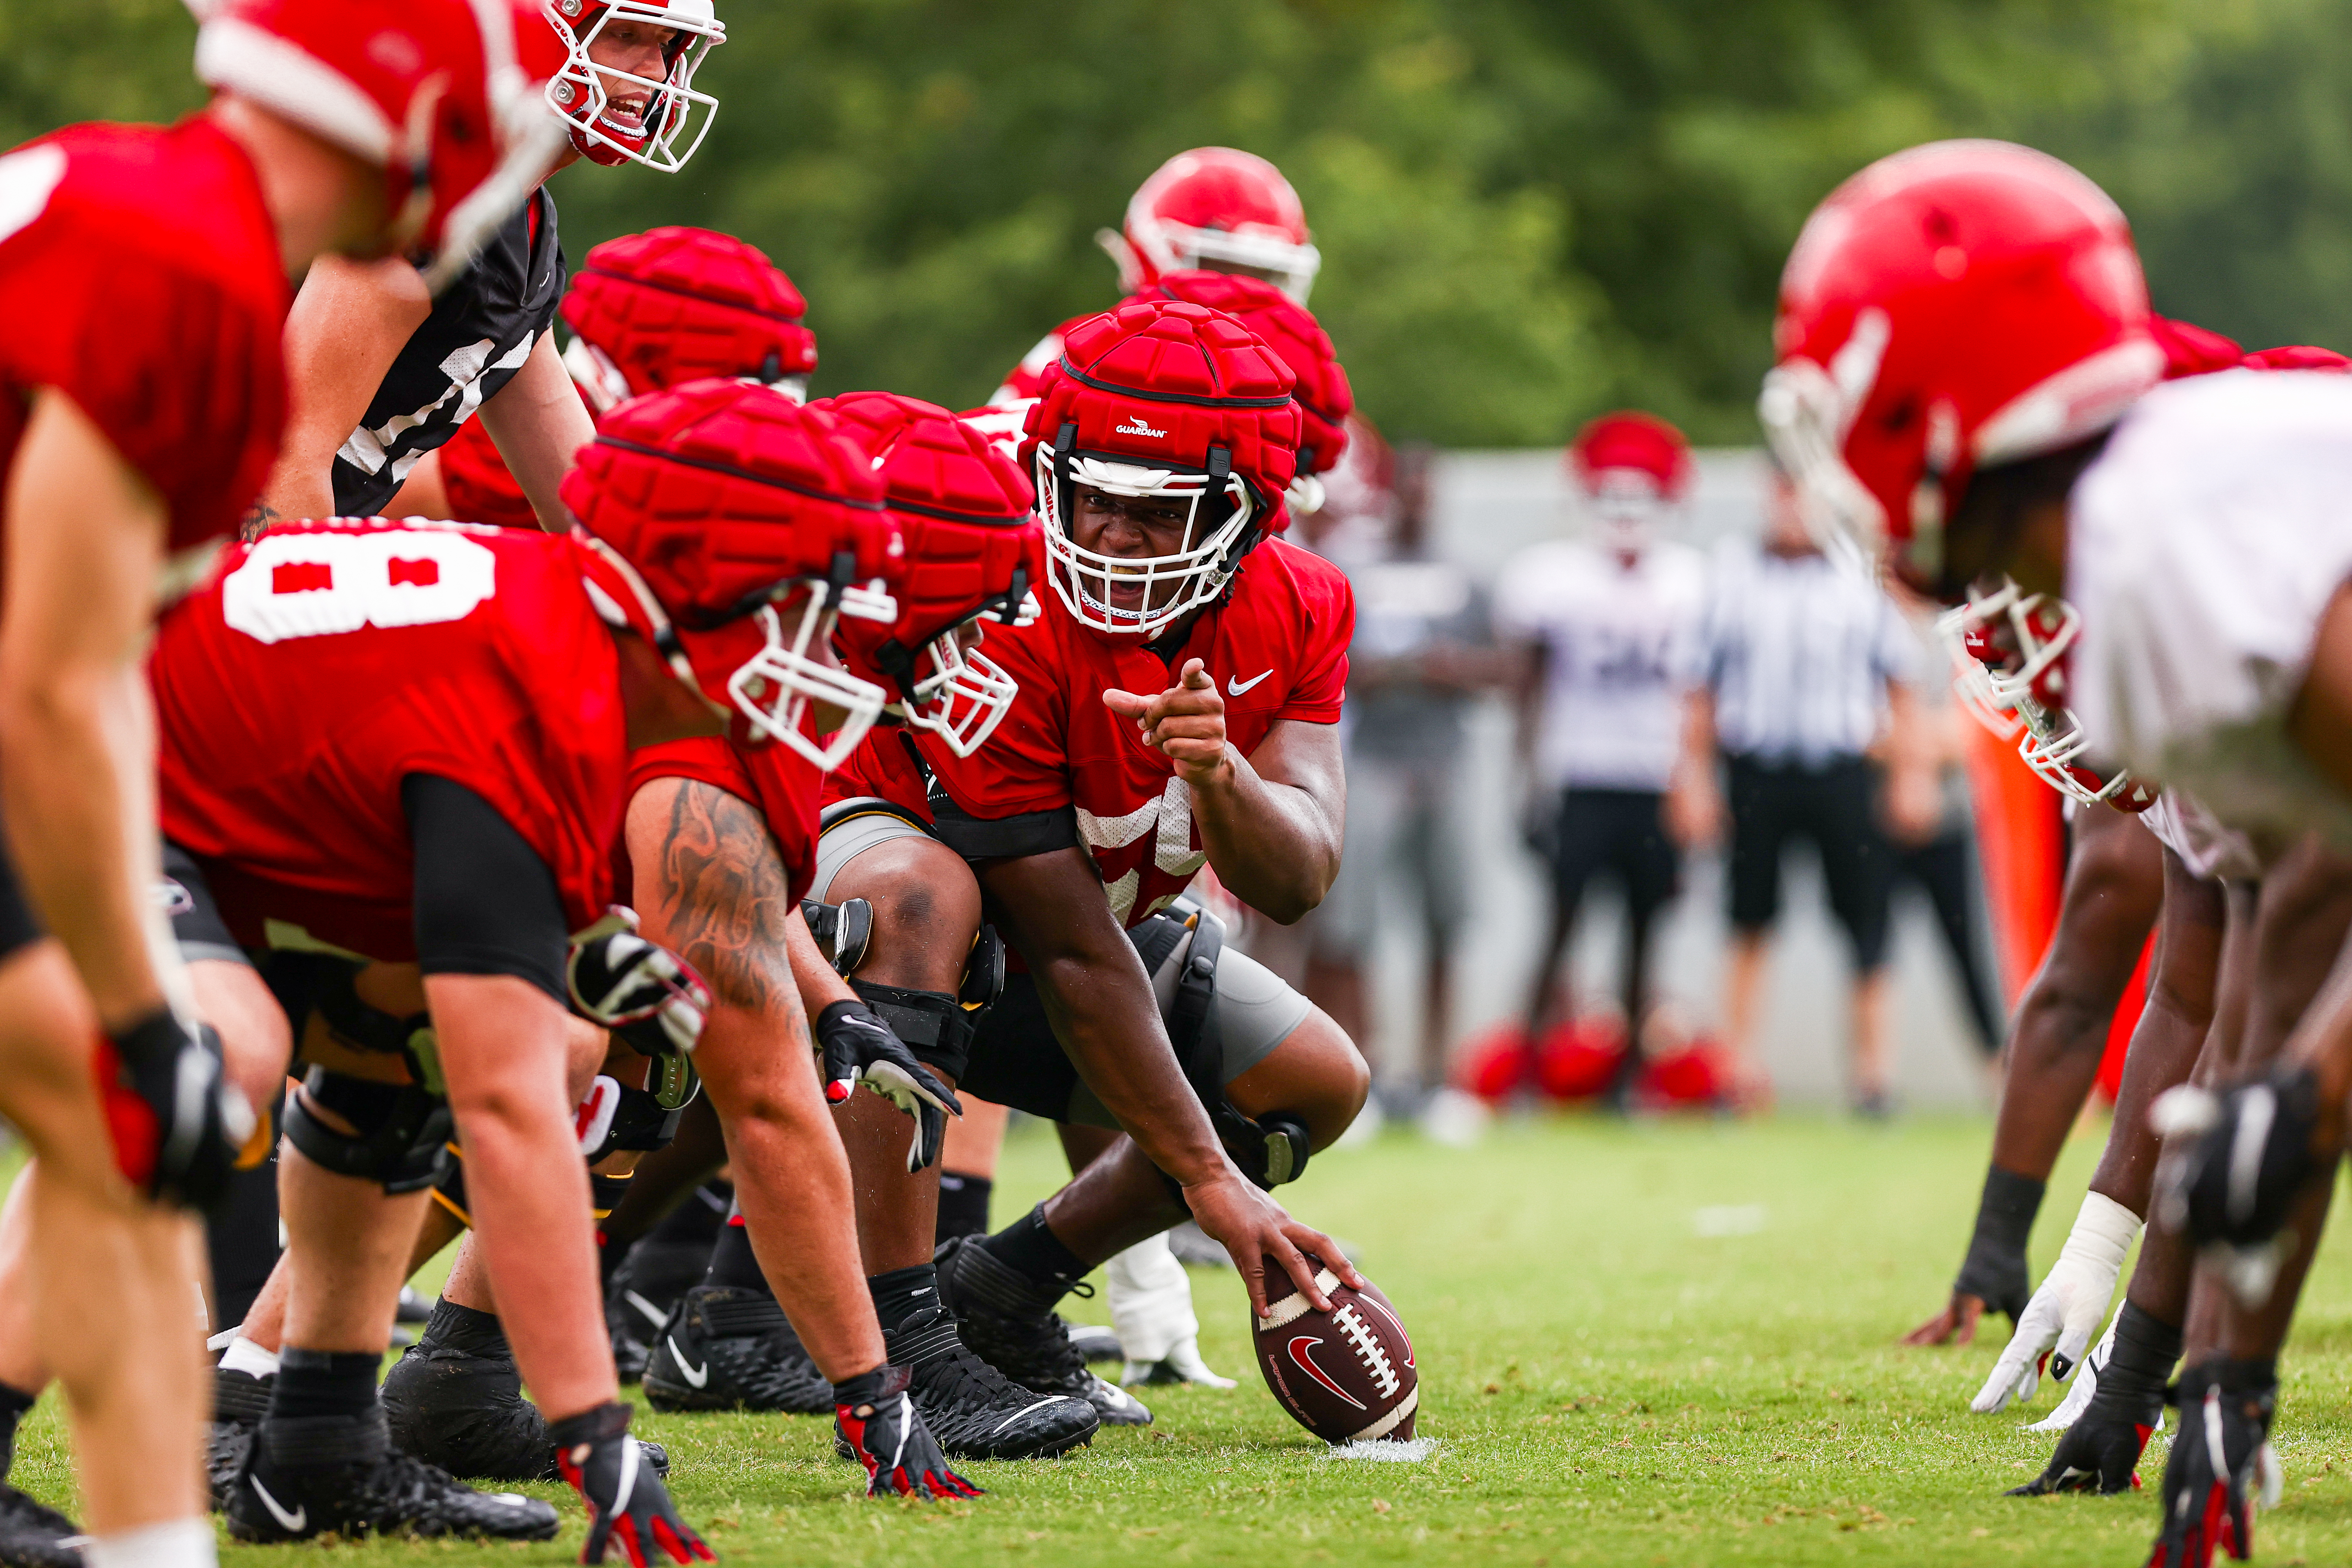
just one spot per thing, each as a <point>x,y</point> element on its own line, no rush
<point>540,425</point>
<point>1099,1001</point>
<point>1272,821</point>
<point>347,326</point>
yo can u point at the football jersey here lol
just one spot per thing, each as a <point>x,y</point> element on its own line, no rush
<point>1277,646</point>
<point>1026,380</point>
<point>140,274</point>
<point>779,783</point>
<point>482,330</point>
<point>1619,644</point>
<point>326,662</point>
<point>2204,545</point>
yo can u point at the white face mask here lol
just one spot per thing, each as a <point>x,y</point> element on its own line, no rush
<point>776,688</point>
<point>1087,580</point>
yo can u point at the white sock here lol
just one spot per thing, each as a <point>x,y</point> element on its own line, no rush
<point>244,1355</point>
<point>182,1543</point>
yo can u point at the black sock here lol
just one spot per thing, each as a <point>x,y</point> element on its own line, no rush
<point>323,1382</point>
<point>468,1329</point>
<point>903,1293</point>
<point>964,1205</point>
<point>14,1402</point>
<point>732,1261</point>
<point>697,1219</point>
<point>1032,1250</point>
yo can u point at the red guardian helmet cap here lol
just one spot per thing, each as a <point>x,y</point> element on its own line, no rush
<point>732,527</point>
<point>1631,468</point>
<point>1162,398</point>
<point>2299,356</point>
<point>649,310</point>
<point>1215,206</point>
<point>2192,349</point>
<point>617,116</point>
<point>1957,305</point>
<point>1325,399</point>
<point>444,94</point>
<point>974,551</point>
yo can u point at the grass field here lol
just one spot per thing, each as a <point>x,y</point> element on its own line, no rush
<point>1669,1343</point>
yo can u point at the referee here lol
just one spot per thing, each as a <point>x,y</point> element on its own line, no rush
<point>1806,686</point>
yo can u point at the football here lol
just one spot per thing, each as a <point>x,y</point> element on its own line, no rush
<point>1347,1375</point>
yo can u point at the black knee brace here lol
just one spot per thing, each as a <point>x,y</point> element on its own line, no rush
<point>399,1131</point>
<point>367,1029</point>
<point>930,1021</point>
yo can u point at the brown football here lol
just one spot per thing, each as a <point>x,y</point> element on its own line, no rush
<point>1347,1375</point>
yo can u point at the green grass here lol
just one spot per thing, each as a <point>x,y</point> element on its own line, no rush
<point>1606,1386</point>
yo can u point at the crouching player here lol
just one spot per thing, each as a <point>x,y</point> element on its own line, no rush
<point>461,816</point>
<point>1176,708</point>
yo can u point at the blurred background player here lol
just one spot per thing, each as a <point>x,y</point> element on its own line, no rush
<point>1610,625</point>
<point>1805,669</point>
<point>129,455</point>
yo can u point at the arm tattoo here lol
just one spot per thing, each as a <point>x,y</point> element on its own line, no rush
<point>724,897</point>
<point>256,522</point>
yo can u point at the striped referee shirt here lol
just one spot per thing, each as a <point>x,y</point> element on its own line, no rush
<point>1797,651</point>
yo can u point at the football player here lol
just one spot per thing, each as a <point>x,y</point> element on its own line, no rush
<point>462,819</point>
<point>1177,699</point>
<point>383,371</point>
<point>2034,442</point>
<point>128,453</point>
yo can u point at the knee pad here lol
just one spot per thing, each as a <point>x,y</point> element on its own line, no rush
<point>1271,1150</point>
<point>928,1021</point>
<point>367,1029</point>
<point>400,1130</point>
<point>646,1119</point>
<point>983,973</point>
<point>843,930</point>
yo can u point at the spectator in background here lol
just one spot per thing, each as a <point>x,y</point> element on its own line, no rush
<point>1606,627</point>
<point>1805,668</point>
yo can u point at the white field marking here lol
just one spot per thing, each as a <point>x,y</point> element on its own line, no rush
<point>1411,1451</point>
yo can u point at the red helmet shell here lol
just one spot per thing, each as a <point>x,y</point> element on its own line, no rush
<point>722,496</point>
<point>678,304</point>
<point>964,510</point>
<point>2192,349</point>
<point>2299,356</point>
<point>1325,399</point>
<point>1631,439</point>
<point>1958,304</point>
<point>444,95</point>
<point>1216,204</point>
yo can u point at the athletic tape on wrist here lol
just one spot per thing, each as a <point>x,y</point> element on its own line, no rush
<point>2102,1233</point>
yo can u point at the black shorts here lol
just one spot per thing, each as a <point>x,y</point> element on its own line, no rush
<point>1836,806</point>
<point>1616,831</point>
<point>196,923</point>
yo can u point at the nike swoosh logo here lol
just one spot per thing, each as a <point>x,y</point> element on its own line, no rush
<point>297,1521</point>
<point>1039,1404</point>
<point>696,1376</point>
<point>1235,686</point>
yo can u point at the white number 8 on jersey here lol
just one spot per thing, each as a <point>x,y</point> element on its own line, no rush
<point>318,585</point>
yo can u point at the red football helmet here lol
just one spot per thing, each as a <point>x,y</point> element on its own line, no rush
<point>1216,207</point>
<point>1630,467</point>
<point>2192,349</point>
<point>1957,305</point>
<point>649,310</point>
<point>444,94</point>
<point>2299,356</point>
<point>973,550</point>
<point>1325,399</point>
<point>1162,398</point>
<point>617,116</point>
<point>723,510</point>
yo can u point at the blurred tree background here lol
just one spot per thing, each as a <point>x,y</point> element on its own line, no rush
<point>1529,210</point>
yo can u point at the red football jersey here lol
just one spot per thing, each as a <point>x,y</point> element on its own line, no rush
<point>1028,378</point>
<point>1278,647</point>
<point>321,666</point>
<point>476,480</point>
<point>140,274</point>
<point>776,781</point>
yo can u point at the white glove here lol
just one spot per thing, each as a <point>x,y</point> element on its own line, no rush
<point>2082,1385</point>
<point>2065,1311</point>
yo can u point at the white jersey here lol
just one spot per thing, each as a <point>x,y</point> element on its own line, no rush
<point>1620,647</point>
<point>2204,546</point>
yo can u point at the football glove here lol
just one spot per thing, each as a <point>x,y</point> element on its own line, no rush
<point>2220,1455</point>
<point>175,1122</point>
<point>2059,1323</point>
<point>628,1507</point>
<point>644,993</point>
<point>2083,1384</point>
<point>2251,1155</point>
<point>874,1416</point>
<point>859,1048</point>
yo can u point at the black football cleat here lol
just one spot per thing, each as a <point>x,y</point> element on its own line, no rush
<point>642,1293</point>
<point>338,1475</point>
<point>728,1347</point>
<point>1095,1342</point>
<point>1011,1324</point>
<point>454,1400</point>
<point>975,1411</point>
<point>239,1402</point>
<point>35,1535</point>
